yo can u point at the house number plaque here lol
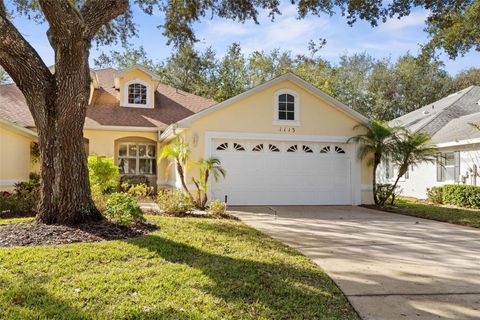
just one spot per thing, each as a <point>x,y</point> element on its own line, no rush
<point>287,129</point>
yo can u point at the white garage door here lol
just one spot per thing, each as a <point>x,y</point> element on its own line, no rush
<point>283,173</point>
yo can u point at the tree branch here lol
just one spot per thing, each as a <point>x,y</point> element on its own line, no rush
<point>97,13</point>
<point>21,61</point>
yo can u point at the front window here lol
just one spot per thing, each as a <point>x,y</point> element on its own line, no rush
<point>286,107</point>
<point>137,158</point>
<point>137,94</point>
<point>448,166</point>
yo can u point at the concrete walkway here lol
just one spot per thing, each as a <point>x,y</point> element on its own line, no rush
<point>389,266</point>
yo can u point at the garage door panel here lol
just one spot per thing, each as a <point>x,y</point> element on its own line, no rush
<point>283,178</point>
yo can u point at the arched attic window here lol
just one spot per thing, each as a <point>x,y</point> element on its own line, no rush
<point>286,108</point>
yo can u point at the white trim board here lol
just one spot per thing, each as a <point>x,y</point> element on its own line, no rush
<point>273,136</point>
<point>120,128</point>
<point>18,129</point>
<point>458,143</point>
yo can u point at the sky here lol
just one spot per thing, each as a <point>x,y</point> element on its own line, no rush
<point>389,40</point>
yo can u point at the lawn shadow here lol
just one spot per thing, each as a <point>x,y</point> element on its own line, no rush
<point>280,290</point>
<point>29,300</point>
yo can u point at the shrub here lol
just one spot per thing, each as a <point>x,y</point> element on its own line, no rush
<point>27,194</point>
<point>435,195</point>
<point>461,195</point>
<point>174,201</point>
<point>384,195</point>
<point>123,209</point>
<point>217,207</point>
<point>103,173</point>
<point>99,198</point>
<point>138,191</point>
<point>8,203</point>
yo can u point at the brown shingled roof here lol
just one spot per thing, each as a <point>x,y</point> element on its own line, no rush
<point>171,105</point>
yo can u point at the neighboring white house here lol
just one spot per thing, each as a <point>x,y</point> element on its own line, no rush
<point>449,122</point>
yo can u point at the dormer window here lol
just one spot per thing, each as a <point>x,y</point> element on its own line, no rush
<point>137,94</point>
<point>286,108</point>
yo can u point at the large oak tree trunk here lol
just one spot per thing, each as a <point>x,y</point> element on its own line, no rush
<point>58,99</point>
<point>65,196</point>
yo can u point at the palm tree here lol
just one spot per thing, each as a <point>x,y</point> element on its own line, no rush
<point>179,151</point>
<point>411,149</point>
<point>210,166</point>
<point>378,140</point>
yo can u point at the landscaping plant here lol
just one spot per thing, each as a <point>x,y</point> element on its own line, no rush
<point>217,207</point>
<point>209,167</point>
<point>461,195</point>
<point>139,191</point>
<point>174,201</point>
<point>103,173</point>
<point>411,149</point>
<point>179,151</point>
<point>123,209</point>
<point>435,195</point>
<point>377,142</point>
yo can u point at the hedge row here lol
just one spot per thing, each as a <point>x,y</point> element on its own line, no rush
<point>456,194</point>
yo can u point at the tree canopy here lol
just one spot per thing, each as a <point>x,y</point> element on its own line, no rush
<point>378,88</point>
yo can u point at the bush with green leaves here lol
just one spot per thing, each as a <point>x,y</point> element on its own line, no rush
<point>461,195</point>
<point>387,193</point>
<point>123,209</point>
<point>99,198</point>
<point>174,201</point>
<point>103,173</point>
<point>435,195</point>
<point>28,193</point>
<point>139,191</point>
<point>217,207</point>
<point>8,203</point>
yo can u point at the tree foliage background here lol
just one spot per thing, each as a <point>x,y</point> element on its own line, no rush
<point>379,88</point>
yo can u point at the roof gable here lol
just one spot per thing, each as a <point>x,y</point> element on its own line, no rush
<point>184,123</point>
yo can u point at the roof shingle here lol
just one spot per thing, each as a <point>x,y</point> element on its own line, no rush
<point>447,119</point>
<point>171,105</point>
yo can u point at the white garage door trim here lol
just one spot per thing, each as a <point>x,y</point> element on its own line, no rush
<point>355,163</point>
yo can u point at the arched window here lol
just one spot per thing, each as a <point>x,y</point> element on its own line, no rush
<point>286,107</point>
<point>137,93</point>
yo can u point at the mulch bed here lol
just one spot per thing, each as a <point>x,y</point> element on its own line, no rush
<point>32,233</point>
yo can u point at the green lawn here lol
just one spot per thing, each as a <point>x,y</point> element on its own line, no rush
<point>13,220</point>
<point>411,207</point>
<point>190,268</point>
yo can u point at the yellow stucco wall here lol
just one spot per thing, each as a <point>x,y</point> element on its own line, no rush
<point>105,143</point>
<point>15,162</point>
<point>255,114</point>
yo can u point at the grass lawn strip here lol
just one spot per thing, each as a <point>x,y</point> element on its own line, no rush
<point>411,206</point>
<point>190,268</point>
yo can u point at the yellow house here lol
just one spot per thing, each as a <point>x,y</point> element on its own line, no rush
<point>283,142</point>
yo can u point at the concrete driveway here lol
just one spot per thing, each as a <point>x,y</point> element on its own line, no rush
<point>389,266</point>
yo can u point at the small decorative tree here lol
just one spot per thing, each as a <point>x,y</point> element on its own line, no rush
<point>411,149</point>
<point>378,141</point>
<point>179,151</point>
<point>209,167</point>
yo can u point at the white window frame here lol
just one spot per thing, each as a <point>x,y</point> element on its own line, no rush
<point>296,105</point>
<point>136,105</point>
<point>137,157</point>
